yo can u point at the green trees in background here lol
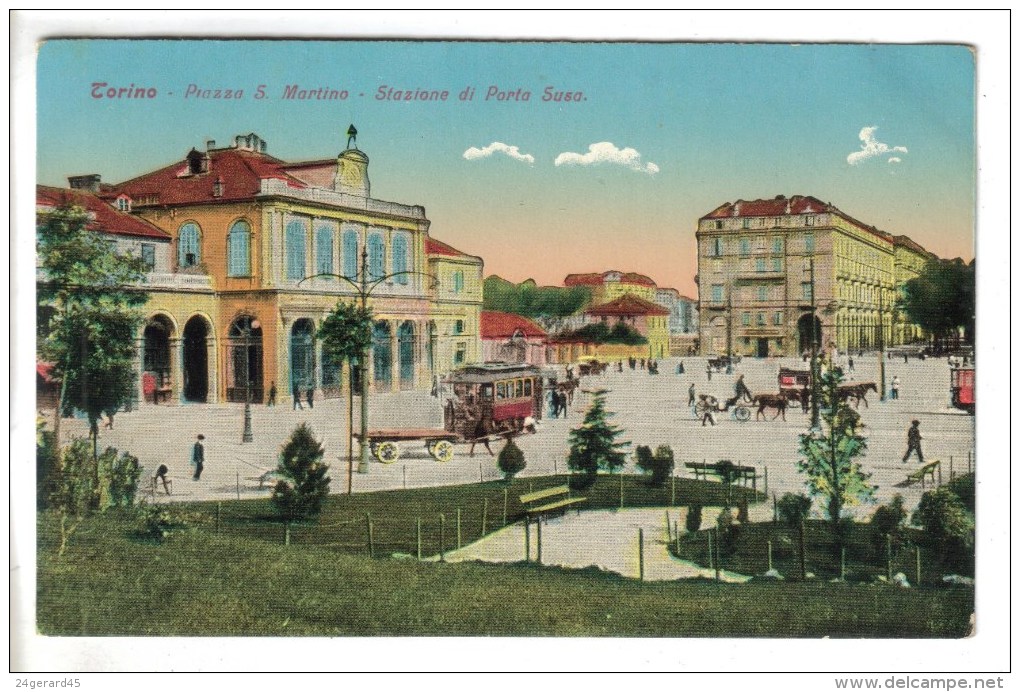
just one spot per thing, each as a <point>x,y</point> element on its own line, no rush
<point>530,300</point>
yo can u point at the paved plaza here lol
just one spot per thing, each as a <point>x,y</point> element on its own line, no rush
<point>652,410</point>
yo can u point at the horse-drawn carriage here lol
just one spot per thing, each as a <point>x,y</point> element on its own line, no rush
<point>961,388</point>
<point>721,363</point>
<point>490,400</point>
<point>795,385</point>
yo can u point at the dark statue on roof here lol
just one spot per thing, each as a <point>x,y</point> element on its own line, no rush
<point>352,136</point>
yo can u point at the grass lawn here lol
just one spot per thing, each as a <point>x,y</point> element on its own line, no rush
<point>243,581</point>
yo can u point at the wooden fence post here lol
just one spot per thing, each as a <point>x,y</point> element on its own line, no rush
<point>842,563</point>
<point>775,509</point>
<point>442,538</point>
<point>405,476</point>
<point>718,553</point>
<point>669,528</point>
<point>538,528</point>
<point>672,497</point>
<point>803,553</point>
<point>711,560</point>
<point>527,538</point>
<point>480,479</point>
<point>458,529</point>
<point>418,533</point>
<point>951,468</point>
<point>641,553</point>
<point>766,488</point>
<point>238,480</point>
<point>970,468</point>
<point>940,474</point>
<point>917,565</point>
<point>770,555</point>
<point>368,529</point>
<point>506,500</point>
<point>676,537</point>
<point>621,489</point>
<point>485,515</point>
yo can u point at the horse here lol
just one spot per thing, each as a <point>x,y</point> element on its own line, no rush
<point>776,401</point>
<point>568,388</point>
<point>858,392</point>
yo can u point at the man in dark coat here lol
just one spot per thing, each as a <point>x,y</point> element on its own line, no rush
<point>741,391</point>
<point>914,441</point>
<point>198,457</point>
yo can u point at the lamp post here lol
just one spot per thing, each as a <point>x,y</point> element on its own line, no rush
<point>881,342</point>
<point>247,435</point>
<point>364,288</point>
<point>814,351</point>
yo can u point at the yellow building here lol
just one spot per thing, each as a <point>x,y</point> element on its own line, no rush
<point>765,266</point>
<point>260,250</point>
<point>610,285</point>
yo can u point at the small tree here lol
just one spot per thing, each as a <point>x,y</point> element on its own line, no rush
<point>887,521</point>
<point>693,520</point>
<point>304,486</point>
<point>659,465</point>
<point>727,471</point>
<point>593,446</point>
<point>947,524</point>
<point>123,473</point>
<point>829,456</point>
<point>74,488</point>
<point>793,509</point>
<point>511,460</point>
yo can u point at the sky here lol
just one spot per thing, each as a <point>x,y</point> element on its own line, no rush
<point>655,135</point>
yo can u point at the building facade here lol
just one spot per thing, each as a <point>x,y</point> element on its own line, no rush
<point>773,273</point>
<point>612,284</point>
<point>257,251</point>
<point>510,338</point>
<point>648,319</point>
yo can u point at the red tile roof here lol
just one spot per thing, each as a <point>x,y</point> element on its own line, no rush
<point>240,171</point>
<point>595,279</point>
<point>437,247</point>
<point>786,206</point>
<point>627,305</point>
<point>105,217</point>
<point>503,325</point>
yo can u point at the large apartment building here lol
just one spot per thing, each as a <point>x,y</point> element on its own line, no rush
<point>769,269</point>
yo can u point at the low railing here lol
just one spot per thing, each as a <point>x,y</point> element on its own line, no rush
<point>271,186</point>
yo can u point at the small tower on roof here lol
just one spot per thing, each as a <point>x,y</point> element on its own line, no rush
<point>352,168</point>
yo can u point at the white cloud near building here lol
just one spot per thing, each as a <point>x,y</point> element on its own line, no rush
<point>871,147</point>
<point>607,152</point>
<point>513,152</point>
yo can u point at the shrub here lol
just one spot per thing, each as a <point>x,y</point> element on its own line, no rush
<point>887,520</point>
<point>743,511</point>
<point>793,509</point>
<point>159,522</point>
<point>659,465</point>
<point>46,471</point>
<point>946,523</point>
<point>728,532</point>
<point>693,521</point>
<point>304,483</point>
<point>124,476</point>
<point>511,460</point>
<point>963,488</point>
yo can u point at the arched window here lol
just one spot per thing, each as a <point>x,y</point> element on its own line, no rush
<point>324,249</point>
<point>188,249</point>
<point>376,256</point>
<point>295,250</point>
<point>239,249</point>
<point>400,258</point>
<point>351,254</point>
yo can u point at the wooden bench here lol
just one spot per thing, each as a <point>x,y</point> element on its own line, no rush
<point>923,472</point>
<point>270,476</point>
<point>559,499</point>
<point>740,473</point>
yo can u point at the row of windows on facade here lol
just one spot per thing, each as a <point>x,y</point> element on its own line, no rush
<point>717,246</point>
<point>763,221</point>
<point>296,252</point>
<point>762,292</point>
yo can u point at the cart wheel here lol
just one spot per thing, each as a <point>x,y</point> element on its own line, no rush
<point>442,450</point>
<point>742,413</point>
<point>387,452</point>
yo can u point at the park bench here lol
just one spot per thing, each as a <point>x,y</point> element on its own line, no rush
<point>550,500</point>
<point>739,473</point>
<point>270,477</point>
<point>923,472</point>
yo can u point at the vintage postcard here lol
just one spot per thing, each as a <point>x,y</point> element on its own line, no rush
<point>626,341</point>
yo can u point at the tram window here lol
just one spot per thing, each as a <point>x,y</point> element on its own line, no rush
<point>519,388</point>
<point>501,390</point>
<point>527,387</point>
<point>487,392</point>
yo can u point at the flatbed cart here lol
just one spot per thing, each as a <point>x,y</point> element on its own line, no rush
<point>385,443</point>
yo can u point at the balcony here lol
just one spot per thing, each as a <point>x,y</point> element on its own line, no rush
<point>179,282</point>
<point>273,187</point>
<point>767,275</point>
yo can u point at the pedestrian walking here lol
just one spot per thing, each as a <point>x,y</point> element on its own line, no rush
<point>562,403</point>
<point>680,368</point>
<point>310,397</point>
<point>894,387</point>
<point>690,395</point>
<point>850,363</point>
<point>914,441</point>
<point>554,407</point>
<point>161,473</point>
<point>198,457</point>
<point>709,409</point>
<point>708,371</point>
<point>272,395</point>
<point>906,358</point>
<point>435,386</point>
<point>296,391</point>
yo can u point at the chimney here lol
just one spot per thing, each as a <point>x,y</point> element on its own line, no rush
<point>88,182</point>
<point>210,144</point>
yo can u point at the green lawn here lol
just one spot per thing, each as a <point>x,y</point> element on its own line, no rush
<point>243,581</point>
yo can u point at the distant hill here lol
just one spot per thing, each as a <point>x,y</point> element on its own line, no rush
<point>531,300</point>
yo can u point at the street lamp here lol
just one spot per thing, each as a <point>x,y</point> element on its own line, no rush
<point>364,288</point>
<point>815,425</point>
<point>247,436</point>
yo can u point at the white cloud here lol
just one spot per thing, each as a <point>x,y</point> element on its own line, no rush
<point>606,152</point>
<point>871,147</point>
<point>498,147</point>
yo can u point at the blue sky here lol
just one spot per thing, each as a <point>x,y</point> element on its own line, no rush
<point>689,126</point>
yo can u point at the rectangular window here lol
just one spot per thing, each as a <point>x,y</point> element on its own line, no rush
<point>458,281</point>
<point>717,293</point>
<point>763,293</point>
<point>460,355</point>
<point>350,252</point>
<point>759,264</point>
<point>717,247</point>
<point>527,387</point>
<point>718,224</point>
<point>458,327</point>
<point>777,246</point>
<point>518,388</point>
<point>809,220</point>
<point>761,319</point>
<point>400,258</point>
<point>295,250</point>
<point>777,264</point>
<point>149,255</point>
<point>324,250</point>
<point>777,318</point>
<point>805,289</point>
<point>745,246</point>
<point>747,223</point>
<point>500,390</point>
<point>745,319</point>
<point>809,242</point>
<point>376,256</point>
